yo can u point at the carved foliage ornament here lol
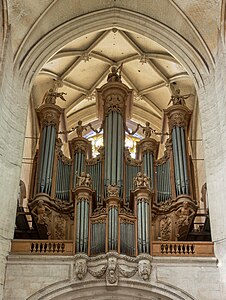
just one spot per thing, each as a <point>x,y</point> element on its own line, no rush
<point>114,103</point>
<point>149,146</point>
<point>111,265</point>
<point>113,190</point>
<point>84,180</point>
<point>166,228</point>
<point>141,180</point>
<point>184,217</point>
<point>49,118</point>
<point>60,227</point>
<point>80,147</point>
<point>179,119</point>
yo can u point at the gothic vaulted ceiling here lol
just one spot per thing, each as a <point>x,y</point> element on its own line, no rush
<point>83,65</point>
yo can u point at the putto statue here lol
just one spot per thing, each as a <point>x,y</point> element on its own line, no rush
<point>141,180</point>
<point>80,128</point>
<point>115,74</point>
<point>178,99</point>
<point>147,130</point>
<point>52,94</point>
<point>84,180</point>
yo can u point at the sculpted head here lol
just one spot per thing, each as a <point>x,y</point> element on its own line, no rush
<point>144,269</point>
<point>80,268</point>
<point>185,204</point>
<point>40,203</point>
<point>112,263</point>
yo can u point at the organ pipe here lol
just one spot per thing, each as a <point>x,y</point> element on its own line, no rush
<point>49,115</point>
<point>107,202</point>
<point>179,118</point>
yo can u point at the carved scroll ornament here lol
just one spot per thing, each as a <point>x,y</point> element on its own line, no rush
<point>114,103</point>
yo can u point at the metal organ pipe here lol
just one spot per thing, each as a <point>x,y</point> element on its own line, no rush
<point>49,115</point>
<point>176,163</point>
<point>113,173</point>
<point>184,154</point>
<point>179,117</point>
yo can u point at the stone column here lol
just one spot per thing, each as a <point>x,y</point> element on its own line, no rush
<point>13,111</point>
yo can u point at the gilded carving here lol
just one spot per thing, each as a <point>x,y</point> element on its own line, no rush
<point>184,216</point>
<point>113,190</point>
<point>83,196</point>
<point>130,160</point>
<point>178,99</point>
<point>166,154</point>
<point>60,227</point>
<point>148,145</point>
<point>60,154</point>
<point>178,119</point>
<point>49,118</point>
<point>141,180</point>
<point>80,144</point>
<point>115,74</point>
<point>51,96</point>
<point>42,213</point>
<point>84,180</point>
<point>166,206</point>
<point>178,115</point>
<point>166,228</point>
<point>114,103</point>
<point>147,130</point>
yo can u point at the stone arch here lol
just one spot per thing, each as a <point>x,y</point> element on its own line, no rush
<point>3,32</point>
<point>30,64</point>
<point>126,290</point>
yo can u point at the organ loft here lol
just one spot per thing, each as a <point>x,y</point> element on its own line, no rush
<point>113,202</point>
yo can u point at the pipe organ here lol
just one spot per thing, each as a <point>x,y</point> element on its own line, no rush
<point>113,202</point>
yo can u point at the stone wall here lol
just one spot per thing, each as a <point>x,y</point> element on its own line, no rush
<point>46,277</point>
<point>12,125</point>
<point>13,106</point>
<point>213,118</point>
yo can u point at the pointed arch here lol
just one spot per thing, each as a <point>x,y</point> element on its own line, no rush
<point>30,64</point>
